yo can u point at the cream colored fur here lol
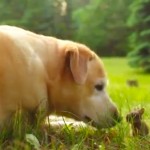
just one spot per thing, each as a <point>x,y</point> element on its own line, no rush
<point>39,72</point>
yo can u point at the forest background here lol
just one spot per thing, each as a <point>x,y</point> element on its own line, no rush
<point>109,27</point>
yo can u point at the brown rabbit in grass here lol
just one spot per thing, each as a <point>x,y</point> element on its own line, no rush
<point>139,127</point>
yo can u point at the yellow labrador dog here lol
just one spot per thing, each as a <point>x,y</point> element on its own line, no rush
<point>42,73</point>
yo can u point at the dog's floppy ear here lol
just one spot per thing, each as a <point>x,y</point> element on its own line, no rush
<point>78,63</point>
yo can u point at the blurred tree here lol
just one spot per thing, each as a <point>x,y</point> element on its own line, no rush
<point>139,41</point>
<point>50,17</point>
<point>97,23</point>
<point>102,25</point>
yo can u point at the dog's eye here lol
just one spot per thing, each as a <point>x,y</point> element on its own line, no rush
<point>99,87</point>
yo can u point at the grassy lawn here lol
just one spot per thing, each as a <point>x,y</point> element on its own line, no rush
<point>127,97</point>
<point>81,137</point>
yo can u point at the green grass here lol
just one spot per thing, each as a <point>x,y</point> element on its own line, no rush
<point>68,137</point>
<point>118,73</point>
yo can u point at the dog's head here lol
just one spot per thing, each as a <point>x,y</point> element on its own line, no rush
<point>80,91</point>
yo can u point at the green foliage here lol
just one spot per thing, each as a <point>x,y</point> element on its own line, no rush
<point>139,21</point>
<point>32,140</point>
<point>45,17</point>
<point>101,25</point>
